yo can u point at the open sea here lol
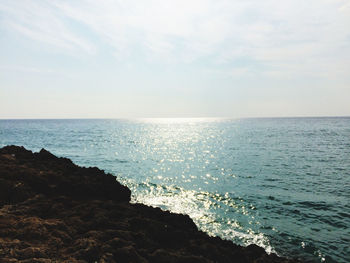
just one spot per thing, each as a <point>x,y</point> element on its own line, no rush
<point>281,183</point>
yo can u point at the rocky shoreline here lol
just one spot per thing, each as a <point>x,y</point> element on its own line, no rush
<point>54,211</point>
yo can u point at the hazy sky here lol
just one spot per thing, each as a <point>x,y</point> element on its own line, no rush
<point>202,58</point>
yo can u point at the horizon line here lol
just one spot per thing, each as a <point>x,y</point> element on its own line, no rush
<point>139,118</point>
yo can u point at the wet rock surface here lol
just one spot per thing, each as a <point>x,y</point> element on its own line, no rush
<point>54,211</point>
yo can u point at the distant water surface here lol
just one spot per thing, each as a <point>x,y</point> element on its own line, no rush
<point>281,183</point>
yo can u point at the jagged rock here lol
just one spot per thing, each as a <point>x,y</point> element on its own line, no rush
<point>54,211</point>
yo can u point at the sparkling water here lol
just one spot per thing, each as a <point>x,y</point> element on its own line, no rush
<point>281,183</point>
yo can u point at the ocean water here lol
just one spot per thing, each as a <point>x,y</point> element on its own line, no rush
<point>281,183</point>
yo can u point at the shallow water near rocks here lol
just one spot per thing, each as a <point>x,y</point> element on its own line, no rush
<point>281,183</point>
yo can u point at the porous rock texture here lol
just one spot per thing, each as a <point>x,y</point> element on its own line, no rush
<point>54,211</point>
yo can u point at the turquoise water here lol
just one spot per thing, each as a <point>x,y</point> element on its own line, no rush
<point>282,183</point>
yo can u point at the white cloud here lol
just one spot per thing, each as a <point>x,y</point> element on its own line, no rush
<point>39,21</point>
<point>279,35</point>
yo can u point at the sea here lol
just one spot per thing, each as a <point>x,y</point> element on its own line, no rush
<point>280,183</point>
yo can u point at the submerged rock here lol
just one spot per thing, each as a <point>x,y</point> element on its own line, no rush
<point>54,211</point>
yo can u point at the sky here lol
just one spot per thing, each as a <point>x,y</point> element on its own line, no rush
<point>162,58</point>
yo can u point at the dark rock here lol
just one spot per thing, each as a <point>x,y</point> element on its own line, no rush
<point>45,155</point>
<point>54,211</point>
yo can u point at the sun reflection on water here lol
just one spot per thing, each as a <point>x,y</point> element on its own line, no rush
<point>180,120</point>
<point>183,172</point>
<point>203,208</point>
